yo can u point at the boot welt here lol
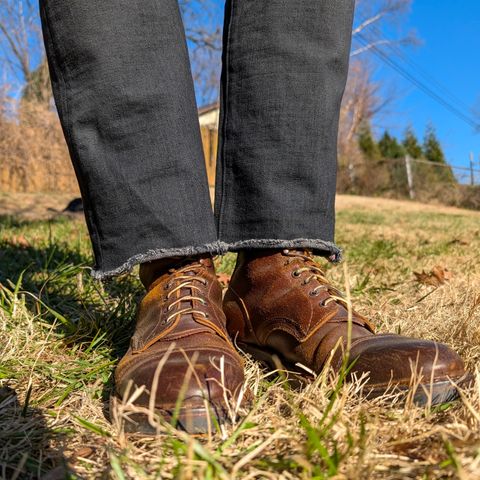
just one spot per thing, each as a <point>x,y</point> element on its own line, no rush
<point>434,393</point>
<point>194,420</point>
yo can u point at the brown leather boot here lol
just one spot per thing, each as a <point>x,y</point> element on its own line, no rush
<point>180,322</point>
<point>280,306</point>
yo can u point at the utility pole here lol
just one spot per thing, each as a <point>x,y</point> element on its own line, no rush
<point>408,166</point>
<point>472,175</point>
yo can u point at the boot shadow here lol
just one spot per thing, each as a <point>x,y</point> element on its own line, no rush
<point>29,449</point>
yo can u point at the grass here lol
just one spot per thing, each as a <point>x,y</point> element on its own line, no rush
<point>62,334</point>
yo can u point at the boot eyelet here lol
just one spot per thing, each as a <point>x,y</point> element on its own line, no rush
<point>295,274</point>
<point>167,286</point>
<point>314,293</point>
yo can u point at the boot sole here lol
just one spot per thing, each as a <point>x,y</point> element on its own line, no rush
<point>435,393</point>
<point>192,420</point>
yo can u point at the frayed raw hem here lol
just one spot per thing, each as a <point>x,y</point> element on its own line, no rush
<point>156,254</point>
<point>320,247</point>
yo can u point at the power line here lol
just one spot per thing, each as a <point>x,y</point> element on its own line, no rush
<point>418,83</point>
<point>396,50</point>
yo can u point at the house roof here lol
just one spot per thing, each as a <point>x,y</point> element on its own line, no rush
<point>209,108</point>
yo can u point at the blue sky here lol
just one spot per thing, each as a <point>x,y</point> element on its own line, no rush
<point>450,42</point>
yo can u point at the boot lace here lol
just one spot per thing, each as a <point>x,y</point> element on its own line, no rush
<point>185,277</point>
<point>316,273</point>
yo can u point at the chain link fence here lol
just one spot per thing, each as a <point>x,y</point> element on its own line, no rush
<point>417,179</point>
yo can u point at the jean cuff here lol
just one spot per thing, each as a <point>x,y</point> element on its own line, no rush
<point>318,247</point>
<point>155,254</point>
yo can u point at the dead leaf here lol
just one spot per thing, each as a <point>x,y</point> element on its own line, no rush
<point>436,277</point>
<point>83,452</point>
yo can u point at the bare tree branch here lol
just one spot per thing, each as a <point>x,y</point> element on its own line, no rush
<point>369,21</point>
<point>371,16</point>
<point>20,38</point>
<point>204,36</point>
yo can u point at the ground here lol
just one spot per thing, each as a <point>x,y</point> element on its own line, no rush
<point>63,333</point>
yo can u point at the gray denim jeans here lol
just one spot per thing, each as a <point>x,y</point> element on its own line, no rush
<point>123,88</point>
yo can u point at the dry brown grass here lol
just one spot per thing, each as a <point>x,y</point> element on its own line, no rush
<point>33,154</point>
<point>63,333</point>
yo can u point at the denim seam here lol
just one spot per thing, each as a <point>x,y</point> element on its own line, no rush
<point>222,199</point>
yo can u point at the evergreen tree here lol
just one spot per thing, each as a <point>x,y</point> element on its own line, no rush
<point>367,143</point>
<point>433,152</point>
<point>411,144</point>
<point>431,146</point>
<point>389,147</point>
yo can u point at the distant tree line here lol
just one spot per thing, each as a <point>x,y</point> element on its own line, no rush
<point>379,167</point>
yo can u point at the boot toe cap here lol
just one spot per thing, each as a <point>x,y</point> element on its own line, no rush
<point>205,376</point>
<point>393,359</point>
